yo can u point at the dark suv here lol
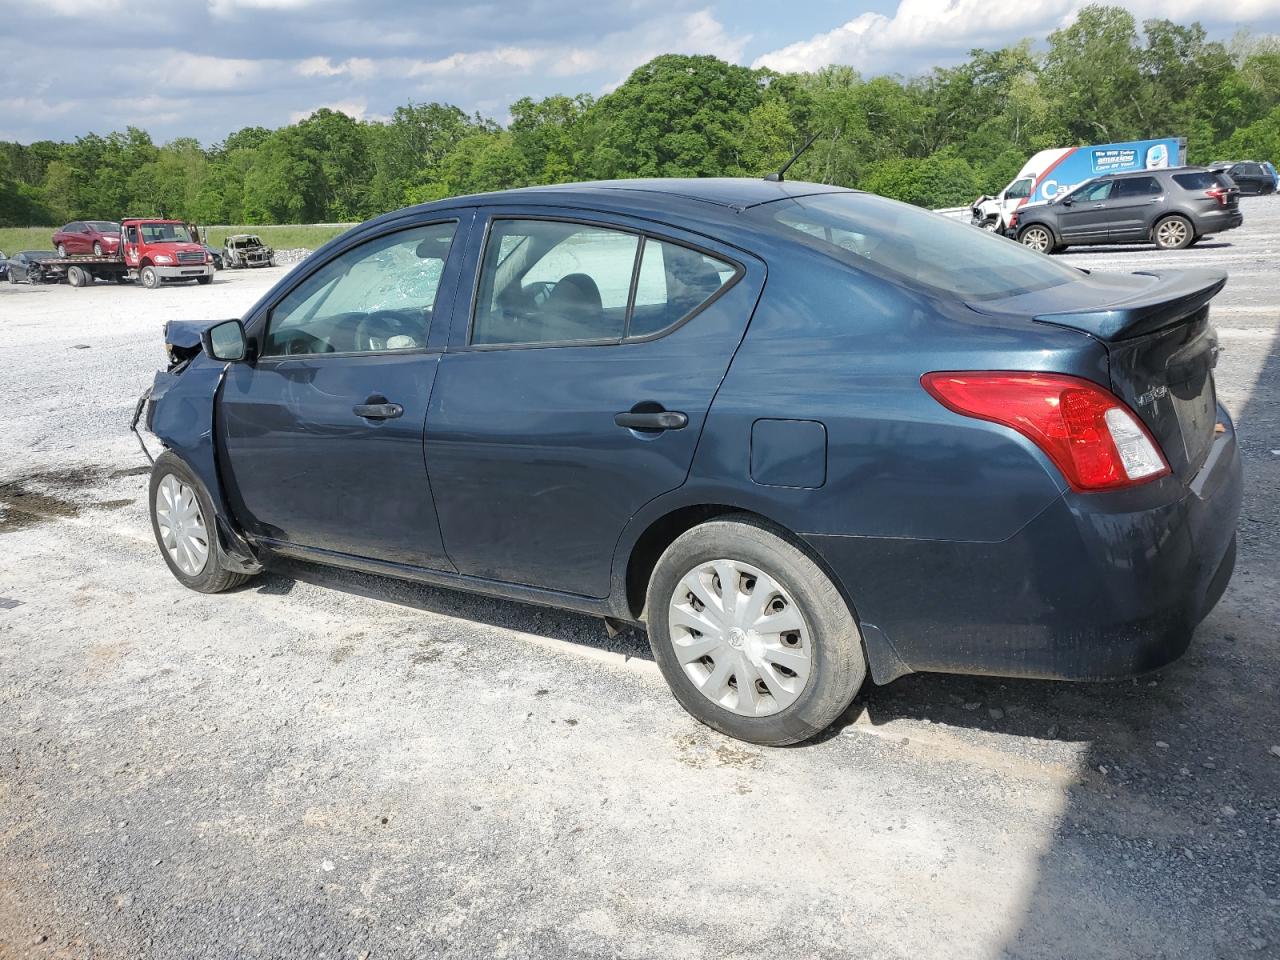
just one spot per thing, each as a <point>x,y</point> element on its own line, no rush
<point>1170,208</point>
<point>1252,178</point>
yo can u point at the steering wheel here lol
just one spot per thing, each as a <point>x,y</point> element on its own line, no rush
<point>385,324</point>
<point>302,344</point>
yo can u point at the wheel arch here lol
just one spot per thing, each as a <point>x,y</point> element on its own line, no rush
<point>635,562</point>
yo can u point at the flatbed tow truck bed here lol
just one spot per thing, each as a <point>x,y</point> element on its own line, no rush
<point>80,271</point>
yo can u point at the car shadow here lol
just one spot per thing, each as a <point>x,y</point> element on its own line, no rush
<point>556,624</point>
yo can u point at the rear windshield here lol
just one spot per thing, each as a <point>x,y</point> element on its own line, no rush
<point>925,248</point>
<point>1201,180</point>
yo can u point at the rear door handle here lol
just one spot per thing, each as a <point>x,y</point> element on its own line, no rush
<point>377,411</point>
<point>657,420</point>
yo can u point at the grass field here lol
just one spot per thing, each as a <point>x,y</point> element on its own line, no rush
<point>284,237</point>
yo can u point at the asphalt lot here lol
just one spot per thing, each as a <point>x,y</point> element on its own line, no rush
<point>325,764</point>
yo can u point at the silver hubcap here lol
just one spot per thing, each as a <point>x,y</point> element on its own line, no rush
<point>1036,240</point>
<point>1172,233</point>
<point>182,529</point>
<point>740,638</point>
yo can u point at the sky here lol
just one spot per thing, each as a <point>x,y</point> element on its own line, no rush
<point>205,68</point>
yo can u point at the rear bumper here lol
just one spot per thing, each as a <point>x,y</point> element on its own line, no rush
<point>1217,222</point>
<point>1097,586</point>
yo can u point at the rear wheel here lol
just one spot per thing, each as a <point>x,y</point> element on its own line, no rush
<point>77,277</point>
<point>182,518</point>
<point>1037,238</point>
<point>203,280</point>
<point>62,251</point>
<point>1173,233</point>
<point>149,277</point>
<point>752,636</point>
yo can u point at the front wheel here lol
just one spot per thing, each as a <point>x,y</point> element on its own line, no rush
<point>1037,238</point>
<point>752,636</point>
<point>1173,233</point>
<point>97,249</point>
<point>150,277</point>
<point>991,224</point>
<point>182,518</point>
<point>204,280</point>
<point>62,251</point>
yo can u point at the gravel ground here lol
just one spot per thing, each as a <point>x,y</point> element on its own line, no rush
<point>325,764</point>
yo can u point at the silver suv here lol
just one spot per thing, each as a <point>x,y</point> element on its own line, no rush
<point>1170,208</point>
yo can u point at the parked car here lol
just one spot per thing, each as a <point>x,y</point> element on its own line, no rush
<point>99,238</point>
<point>246,250</point>
<point>4,265</point>
<point>1170,208</point>
<point>26,265</point>
<point>919,447</point>
<point>215,255</point>
<point>1253,179</point>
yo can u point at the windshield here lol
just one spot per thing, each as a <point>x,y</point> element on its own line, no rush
<point>165,233</point>
<point>916,245</point>
<point>105,226</point>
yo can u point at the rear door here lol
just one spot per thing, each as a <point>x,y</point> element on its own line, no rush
<point>575,387</point>
<point>323,430</point>
<point>1132,206</point>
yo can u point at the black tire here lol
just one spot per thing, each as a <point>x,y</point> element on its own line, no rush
<point>203,280</point>
<point>77,277</point>
<point>1038,237</point>
<point>838,664</point>
<point>1172,233</point>
<point>97,248</point>
<point>149,277</point>
<point>213,577</point>
<point>62,250</point>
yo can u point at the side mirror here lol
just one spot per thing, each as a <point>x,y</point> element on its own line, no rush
<point>1067,201</point>
<point>225,341</point>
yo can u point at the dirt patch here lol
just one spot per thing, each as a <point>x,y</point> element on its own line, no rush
<point>55,494</point>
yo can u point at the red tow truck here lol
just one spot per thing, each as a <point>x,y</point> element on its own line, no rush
<point>151,251</point>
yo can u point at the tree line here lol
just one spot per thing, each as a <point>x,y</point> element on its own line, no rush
<point>938,139</point>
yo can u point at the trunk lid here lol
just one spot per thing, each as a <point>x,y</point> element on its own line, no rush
<point>1161,351</point>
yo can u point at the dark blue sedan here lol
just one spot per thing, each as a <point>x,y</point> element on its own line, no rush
<point>799,432</point>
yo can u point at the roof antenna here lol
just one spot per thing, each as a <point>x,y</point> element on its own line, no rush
<point>781,175</point>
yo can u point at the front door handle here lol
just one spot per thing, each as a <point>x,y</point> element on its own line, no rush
<point>652,420</point>
<point>379,410</point>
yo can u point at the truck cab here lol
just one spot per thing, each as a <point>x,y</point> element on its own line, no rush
<point>156,250</point>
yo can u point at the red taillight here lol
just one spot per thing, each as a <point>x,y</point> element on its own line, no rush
<point>1089,434</point>
<point>1219,194</point>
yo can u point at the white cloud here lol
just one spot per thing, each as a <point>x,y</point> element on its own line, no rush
<point>511,59</point>
<point>356,109</point>
<point>225,9</point>
<point>874,42</point>
<point>358,68</point>
<point>194,71</point>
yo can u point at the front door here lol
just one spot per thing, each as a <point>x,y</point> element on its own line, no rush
<point>323,431</point>
<point>578,390</point>
<point>1087,216</point>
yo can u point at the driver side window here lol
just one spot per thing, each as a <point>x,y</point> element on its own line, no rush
<point>1018,190</point>
<point>1098,191</point>
<point>374,298</point>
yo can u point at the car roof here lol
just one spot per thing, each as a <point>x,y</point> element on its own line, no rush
<point>731,192</point>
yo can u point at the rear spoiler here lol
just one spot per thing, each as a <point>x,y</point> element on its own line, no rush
<point>1176,295</point>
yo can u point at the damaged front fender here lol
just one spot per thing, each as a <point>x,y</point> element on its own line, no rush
<point>180,410</point>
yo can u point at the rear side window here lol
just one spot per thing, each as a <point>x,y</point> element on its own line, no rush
<point>1137,187</point>
<point>554,282</point>
<point>912,244</point>
<point>1200,180</point>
